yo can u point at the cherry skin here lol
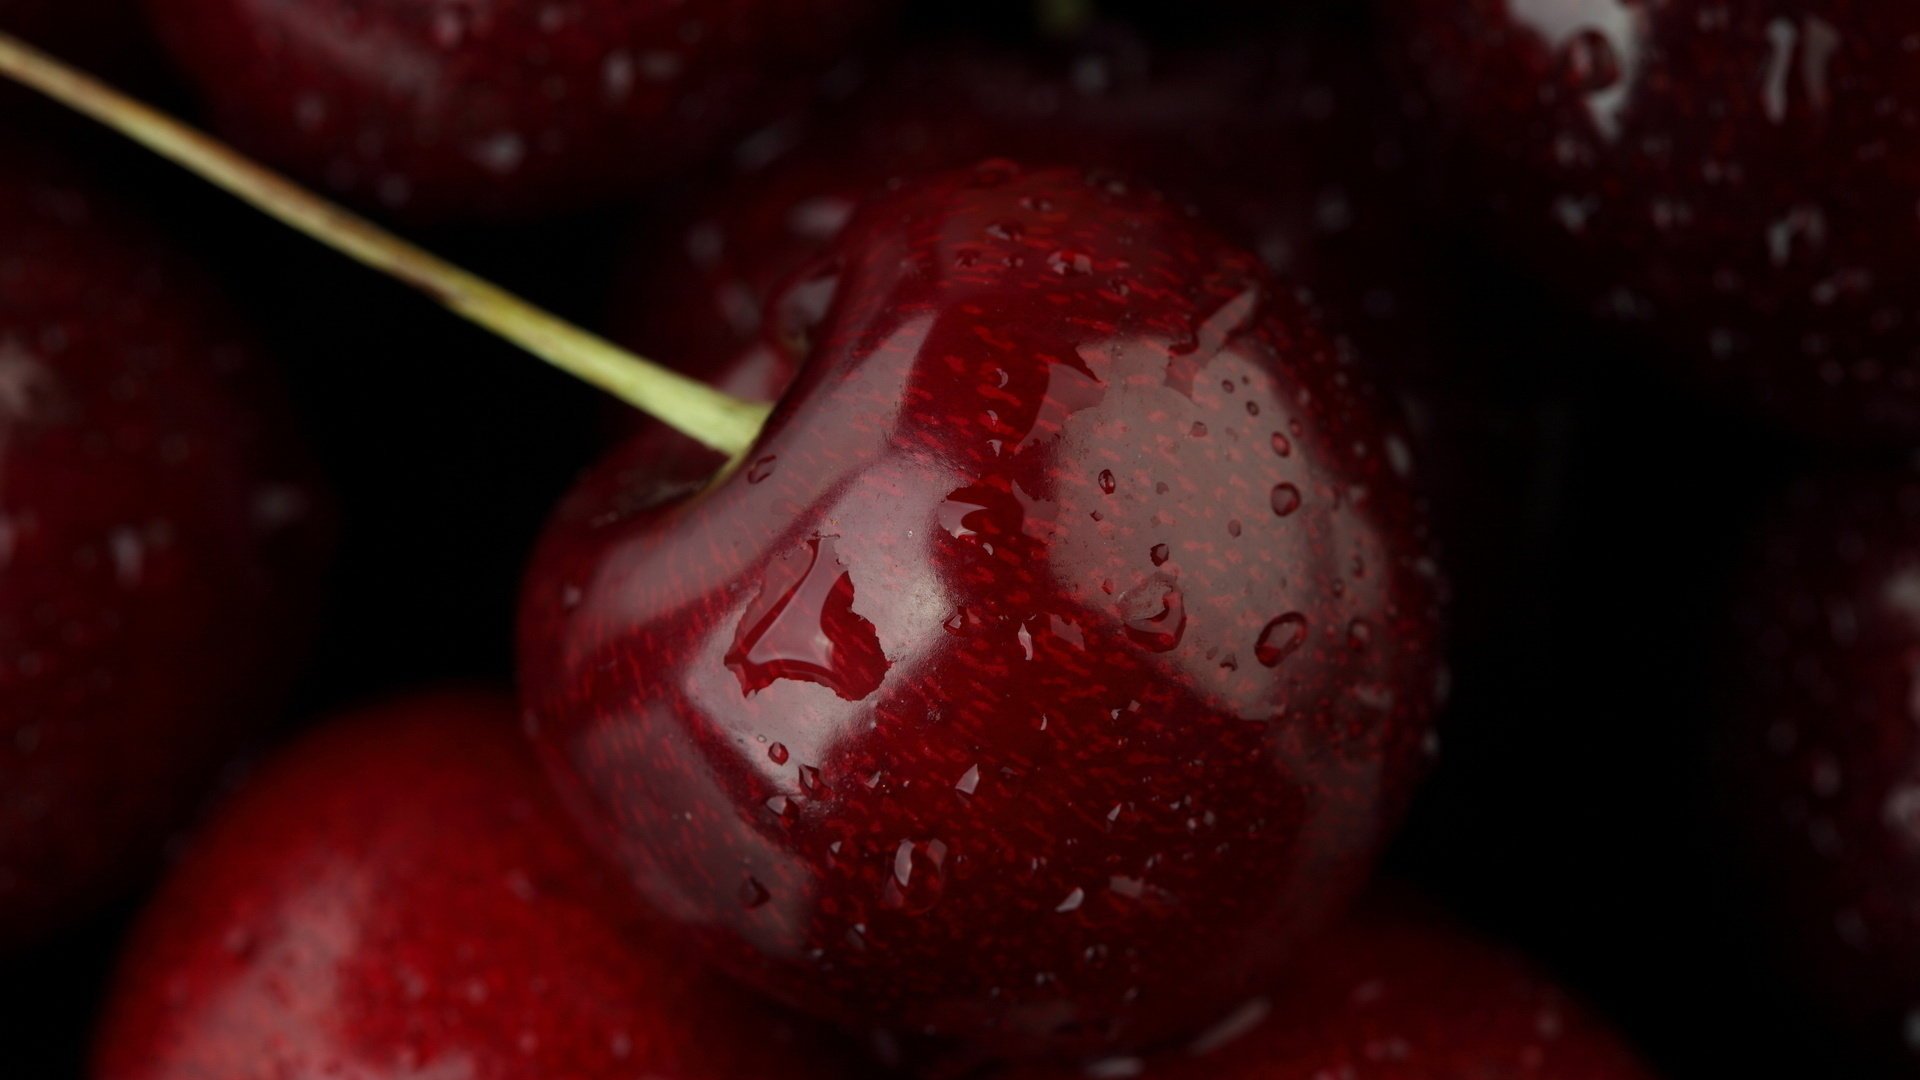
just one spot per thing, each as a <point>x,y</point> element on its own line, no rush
<point>397,896</point>
<point>1394,993</point>
<point>1273,139</point>
<point>1823,751</point>
<point>1739,183</point>
<point>160,540</point>
<point>1057,660</point>
<point>514,107</point>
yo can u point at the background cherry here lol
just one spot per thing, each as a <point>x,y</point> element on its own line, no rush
<point>1822,753</point>
<point>1143,508</point>
<point>454,109</point>
<point>1736,184</point>
<point>397,895</point>
<point>1394,993</point>
<point>153,515</point>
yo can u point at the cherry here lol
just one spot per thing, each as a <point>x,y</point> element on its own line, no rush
<point>159,540</point>
<point>398,895</point>
<point>1272,138</point>
<point>1823,750</point>
<point>453,108</point>
<point>1053,664</point>
<point>1394,993</point>
<point>1736,182</point>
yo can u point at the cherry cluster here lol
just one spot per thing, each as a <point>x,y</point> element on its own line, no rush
<point>1248,541</point>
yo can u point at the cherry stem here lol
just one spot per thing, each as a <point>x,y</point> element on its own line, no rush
<point>723,422</point>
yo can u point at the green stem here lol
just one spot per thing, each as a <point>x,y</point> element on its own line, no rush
<point>725,423</point>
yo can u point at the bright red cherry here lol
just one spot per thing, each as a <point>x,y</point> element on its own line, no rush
<point>1055,663</point>
<point>159,540</point>
<point>1394,993</point>
<point>397,895</point>
<point>455,108</point>
<point>1737,179</point>
<point>1823,742</point>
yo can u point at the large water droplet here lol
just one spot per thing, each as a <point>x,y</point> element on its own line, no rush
<point>1160,554</point>
<point>1285,499</point>
<point>802,626</point>
<point>760,469</point>
<point>1281,638</point>
<point>1154,613</point>
<point>1107,482</point>
<point>777,753</point>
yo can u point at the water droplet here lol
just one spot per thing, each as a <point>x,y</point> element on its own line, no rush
<point>1067,263</point>
<point>1281,638</point>
<point>1285,499</point>
<point>1160,554</point>
<point>1198,430</point>
<point>777,753</point>
<point>1107,482</point>
<point>1359,634</point>
<point>753,894</point>
<point>811,783</point>
<point>918,878</point>
<point>760,470</point>
<point>1233,528</point>
<point>1589,63</point>
<point>1154,613</point>
<point>803,627</point>
<point>969,781</point>
<point>1253,408</point>
<point>1006,230</point>
<point>1282,445</point>
<point>1227,386</point>
<point>1073,901</point>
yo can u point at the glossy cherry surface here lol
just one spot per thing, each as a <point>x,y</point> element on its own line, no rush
<point>1059,657</point>
<point>398,896</point>
<point>1394,993</point>
<point>1273,139</point>
<point>1823,741</point>
<point>452,108</point>
<point>160,540</point>
<point>1737,179</point>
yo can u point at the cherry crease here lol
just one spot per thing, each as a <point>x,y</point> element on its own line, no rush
<point>957,707</point>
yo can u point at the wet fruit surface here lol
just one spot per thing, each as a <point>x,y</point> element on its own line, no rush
<point>159,541</point>
<point>449,108</point>
<point>1824,749</point>
<point>398,896</point>
<point>1394,994</point>
<point>1270,138</point>
<point>1058,658</point>
<point>1737,180</point>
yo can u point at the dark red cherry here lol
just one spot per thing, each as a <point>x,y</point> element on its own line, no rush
<point>1394,993</point>
<point>455,108</point>
<point>1055,663</point>
<point>1823,747</point>
<point>1274,139</point>
<point>397,896</point>
<point>159,540</point>
<point>1736,180</point>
